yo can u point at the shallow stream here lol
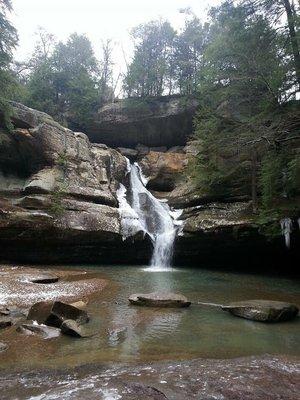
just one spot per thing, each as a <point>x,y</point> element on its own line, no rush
<point>124,333</point>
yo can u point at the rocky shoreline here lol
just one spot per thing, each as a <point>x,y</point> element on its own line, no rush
<point>259,378</point>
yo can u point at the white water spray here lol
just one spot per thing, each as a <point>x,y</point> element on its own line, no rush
<point>150,215</point>
<point>286,229</point>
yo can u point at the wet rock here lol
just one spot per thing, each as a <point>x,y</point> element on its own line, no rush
<point>79,304</point>
<point>159,300</point>
<point>40,312</point>
<point>129,153</point>
<point>54,313</point>
<point>72,328</point>
<point>263,310</point>
<point>47,332</point>
<point>45,279</point>
<point>5,322</point>
<point>163,170</point>
<point>3,346</point>
<point>138,391</point>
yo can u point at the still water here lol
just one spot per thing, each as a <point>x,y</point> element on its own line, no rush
<point>124,333</point>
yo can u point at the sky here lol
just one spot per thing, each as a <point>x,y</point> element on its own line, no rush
<point>98,19</point>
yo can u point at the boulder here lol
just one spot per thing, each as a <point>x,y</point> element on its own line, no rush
<point>72,328</point>
<point>46,332</point>
<point>156,299</point>
<point>79,304</point>
<point>263,310</point>
<point>54,313</point>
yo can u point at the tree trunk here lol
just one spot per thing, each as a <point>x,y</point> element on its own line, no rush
<point>293,37</point>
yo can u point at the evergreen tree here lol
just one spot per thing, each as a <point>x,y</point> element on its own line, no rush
<point>244,118</point>
<point>8,42</point>
<point>63,82</point>
<point>148,74</point>
<point>189,48</point>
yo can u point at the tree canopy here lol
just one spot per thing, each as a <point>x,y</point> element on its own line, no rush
<point>8,42</point>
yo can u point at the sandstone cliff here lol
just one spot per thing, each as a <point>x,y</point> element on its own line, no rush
<point>58,200</point>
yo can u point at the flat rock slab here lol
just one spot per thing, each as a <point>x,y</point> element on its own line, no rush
<point>45,279</point>
<point>156,299</point>
<point>263,310</point>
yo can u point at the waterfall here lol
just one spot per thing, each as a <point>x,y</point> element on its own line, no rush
<point>286,229</point>
<point>142,211</point>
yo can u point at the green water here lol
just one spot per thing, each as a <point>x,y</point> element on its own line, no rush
<point>124,333</point>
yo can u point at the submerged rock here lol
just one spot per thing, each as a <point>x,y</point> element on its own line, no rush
<point>72,328</point>
<point>263,310</point>
<point>47,332</point>
<point>159,300</point>
<point>3,346</point>
<point>54,313</point>
<point>44,279</point>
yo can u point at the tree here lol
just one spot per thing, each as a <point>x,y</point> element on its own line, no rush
<point>188,54</point>
<point>148,73</point>
<point>244,113</point>
<point>8,42</point>
<point>106,73</point>
<point>63,81</point>
<point>274,10</point>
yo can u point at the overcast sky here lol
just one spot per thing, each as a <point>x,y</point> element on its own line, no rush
<point>99,19</point>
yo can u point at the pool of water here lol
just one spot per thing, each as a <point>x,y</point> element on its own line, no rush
<point>125,333</point>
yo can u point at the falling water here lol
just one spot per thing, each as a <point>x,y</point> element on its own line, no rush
<point>145,212</point>
<point>286,229</point>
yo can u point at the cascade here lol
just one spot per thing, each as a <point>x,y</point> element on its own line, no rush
<point>286,229</point>
<point>143,211</point>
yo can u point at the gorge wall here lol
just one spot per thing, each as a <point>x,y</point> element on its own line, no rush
<point>58,197</point>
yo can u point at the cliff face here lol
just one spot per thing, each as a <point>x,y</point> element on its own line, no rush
<point>58,194</point>
<point>58,200</point>
<point>165,121</point>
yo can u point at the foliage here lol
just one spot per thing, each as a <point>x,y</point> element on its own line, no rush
<point>57,207</point>
<point>8,41</point>
<point>247,124</point>
<point>149,70</point>
<point>66,80</point>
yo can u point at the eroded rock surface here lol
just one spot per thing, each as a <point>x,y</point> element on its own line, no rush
<point>58,194</point>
